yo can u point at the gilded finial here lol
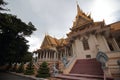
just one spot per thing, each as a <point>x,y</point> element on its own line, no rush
<point>46,33</point>
<point>89,15</point>
<point>76,2</point>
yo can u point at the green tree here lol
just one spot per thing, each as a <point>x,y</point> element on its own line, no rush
<point>27,57</point>
<point>43,71</point>
<point>29,69</point>
<point>13,45</point>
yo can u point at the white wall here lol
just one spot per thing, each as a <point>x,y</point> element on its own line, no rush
<point>93,42</point>
<point>103,46</point>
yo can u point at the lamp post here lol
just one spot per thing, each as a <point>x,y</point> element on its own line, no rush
<point>102,58</point>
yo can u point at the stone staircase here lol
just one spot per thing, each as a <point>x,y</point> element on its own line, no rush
<point>84,69</point>
<point>69,65</point>
<point>113,67</point>
<point>87,66</point>
<point>81,77</point>
<point>36,67</point>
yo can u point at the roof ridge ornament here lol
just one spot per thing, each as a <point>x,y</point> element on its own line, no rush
<point>79,11</point>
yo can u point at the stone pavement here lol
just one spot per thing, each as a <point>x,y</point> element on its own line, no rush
<point>9,76</point>
<point>17,76</point>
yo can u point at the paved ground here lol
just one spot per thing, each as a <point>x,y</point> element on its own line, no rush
<point>9,76</point>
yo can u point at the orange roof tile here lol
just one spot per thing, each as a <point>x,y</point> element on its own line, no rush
<point>49,42</point>
<point>115,26</point>
<point>81,18</point>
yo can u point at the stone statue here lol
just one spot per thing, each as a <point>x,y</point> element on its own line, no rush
<point>55,70</point>
<point>64,60</point>
<point>102,58</point>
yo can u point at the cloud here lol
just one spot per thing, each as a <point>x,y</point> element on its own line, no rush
<point>55,16</point>
<point>34,42</point>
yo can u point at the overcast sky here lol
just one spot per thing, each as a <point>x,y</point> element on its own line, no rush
<point>55,17</point>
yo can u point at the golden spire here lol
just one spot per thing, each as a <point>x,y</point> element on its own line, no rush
<point>78,8</point>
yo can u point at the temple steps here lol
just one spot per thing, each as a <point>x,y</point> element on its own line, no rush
<point>87,66</point>
<point>81,77</point>
<point>112,63</point>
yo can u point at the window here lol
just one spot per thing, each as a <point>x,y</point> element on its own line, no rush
<point>85,44</point>
<point>88,56</point>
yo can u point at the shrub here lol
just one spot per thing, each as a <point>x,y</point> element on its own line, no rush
<point>14,69</point>
<point>20,68</point>
<point>29,69</point>
<point>43,71</point>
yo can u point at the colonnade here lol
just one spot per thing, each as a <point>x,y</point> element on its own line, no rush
<point>52,55</point>
<point>67,51</point>
<point>47,55</point>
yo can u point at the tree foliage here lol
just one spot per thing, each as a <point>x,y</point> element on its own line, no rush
<point>13,45</point>
<point>12,38</point>
<point>43,71</point>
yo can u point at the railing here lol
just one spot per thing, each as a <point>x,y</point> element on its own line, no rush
<point>113,67</point>
<point>114,51</point>
<point>36,65</point>
<point>68,64</point>
<point>113,54</point>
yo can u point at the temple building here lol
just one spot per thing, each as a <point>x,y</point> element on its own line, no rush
<point>77,53</point>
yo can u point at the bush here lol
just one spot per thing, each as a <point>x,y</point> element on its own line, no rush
<point>43,71</point>
<point>20,68</point>
<point>8,67</point>
<point>14,69</point>
<point>30,69</point>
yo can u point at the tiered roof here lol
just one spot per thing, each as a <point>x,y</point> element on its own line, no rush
<point>115,26</point>
<point>50,42</point>
<point>81,18</point>
<point>115,29</point>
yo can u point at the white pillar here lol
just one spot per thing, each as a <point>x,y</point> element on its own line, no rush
<point>46,55</point>
<point>56,55</point>
<point>39,56</point>
<point>96,43</point>
<point>115,44</point>
<point>106,43</point>
<point>95,40</point>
